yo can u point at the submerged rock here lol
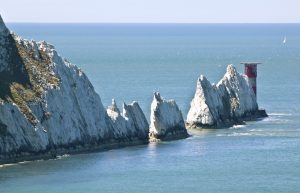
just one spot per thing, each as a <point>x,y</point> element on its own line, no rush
<point>230,102</point>
<point>166,120</point>
<point>48,106</point>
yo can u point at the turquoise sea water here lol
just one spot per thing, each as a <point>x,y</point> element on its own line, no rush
<point>130,61</point>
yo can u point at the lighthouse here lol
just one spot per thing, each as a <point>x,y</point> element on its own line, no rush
<point>251,73</point>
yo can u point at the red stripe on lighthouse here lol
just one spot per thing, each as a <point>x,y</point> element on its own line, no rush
<point>251,73</point>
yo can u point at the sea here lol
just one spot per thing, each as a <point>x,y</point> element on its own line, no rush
<point>129,62</point>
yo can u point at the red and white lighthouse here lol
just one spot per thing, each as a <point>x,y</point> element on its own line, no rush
<point>251,73</point>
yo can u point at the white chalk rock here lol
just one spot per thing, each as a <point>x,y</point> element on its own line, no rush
<point>166,120</point>
<point>229,102</point>
<point>129,124</point>
<point>66,116</point>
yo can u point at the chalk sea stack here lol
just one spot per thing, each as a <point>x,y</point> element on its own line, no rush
<point>231,101</point>
<point>48,106</point>
<point>166,121</point>
<point>131,123</point>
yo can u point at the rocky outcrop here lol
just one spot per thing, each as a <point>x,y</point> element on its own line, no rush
<point>129,124</point>
<point>230,102</point>
<point>48,106</point>
<point>166,120</point>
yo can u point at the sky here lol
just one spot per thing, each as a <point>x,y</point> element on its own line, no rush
<point>151,11</point>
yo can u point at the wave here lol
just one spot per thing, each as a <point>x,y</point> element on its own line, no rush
<point>240,134</point>
<point>279,114</point>
<point>62,156</point>
<point>237,126</point>
<point>234,134</point>
<point>259,130</point>
<point>251,133</point>
<point>24,162</point>
<point>6,165</point>
<point>277,120</point>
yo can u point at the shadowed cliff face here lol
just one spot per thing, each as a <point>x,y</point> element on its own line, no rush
<point>15,84</point>
<point>12,67</point>
<point>22,72</point>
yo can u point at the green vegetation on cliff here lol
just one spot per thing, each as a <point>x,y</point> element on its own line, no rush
<point>27,77</point>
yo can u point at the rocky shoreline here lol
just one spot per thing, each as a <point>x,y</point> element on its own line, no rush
<point>46,155</point>
<point>48,107</point>
<point>258,115</point>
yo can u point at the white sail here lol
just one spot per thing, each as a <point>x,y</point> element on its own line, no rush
<point>284,40</point>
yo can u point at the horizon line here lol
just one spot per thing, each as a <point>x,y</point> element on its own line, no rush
<point>13,22</point>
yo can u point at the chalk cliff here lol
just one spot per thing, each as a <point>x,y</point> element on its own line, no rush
<point>230,102</point>
<point>48,106</point>
<point>166,120</point>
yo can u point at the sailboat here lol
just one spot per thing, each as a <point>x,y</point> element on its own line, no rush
<point>284,40</point>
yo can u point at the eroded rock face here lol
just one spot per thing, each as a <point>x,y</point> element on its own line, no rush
<point>129,124</point>
<point>166,120</point>
<point>48,105</point>
<point>229,102</point>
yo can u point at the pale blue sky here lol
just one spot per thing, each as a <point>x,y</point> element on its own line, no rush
<point>153,11</point>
